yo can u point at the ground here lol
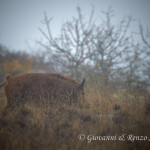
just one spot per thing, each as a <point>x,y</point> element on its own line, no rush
<point>89,126</point>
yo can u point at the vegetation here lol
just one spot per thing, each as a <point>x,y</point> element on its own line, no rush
<point>87,48</point>
<point>13,62</point>
<point>92,47</point>
<point>45,127</point>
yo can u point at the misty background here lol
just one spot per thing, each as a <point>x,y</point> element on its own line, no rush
<point>105,41</point>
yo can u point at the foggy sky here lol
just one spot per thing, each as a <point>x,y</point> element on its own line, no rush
<point>20,19</point>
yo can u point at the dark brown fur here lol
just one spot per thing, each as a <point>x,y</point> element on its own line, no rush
<point>41,86</point>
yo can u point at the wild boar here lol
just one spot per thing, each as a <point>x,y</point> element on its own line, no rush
<point>42,86</point>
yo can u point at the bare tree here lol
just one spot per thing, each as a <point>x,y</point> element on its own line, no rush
<point>145,36</point>
<point>105,51</point>
<point>112,43</point>
<point>73,47</point>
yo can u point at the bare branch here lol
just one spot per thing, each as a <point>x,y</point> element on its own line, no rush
<point>143,37</point>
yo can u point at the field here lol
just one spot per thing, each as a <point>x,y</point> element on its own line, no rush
<point>99,123</point>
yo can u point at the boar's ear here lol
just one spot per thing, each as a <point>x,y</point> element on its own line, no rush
<point>80,86</point>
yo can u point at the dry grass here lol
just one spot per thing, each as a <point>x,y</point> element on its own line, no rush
<point>46,127</point>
